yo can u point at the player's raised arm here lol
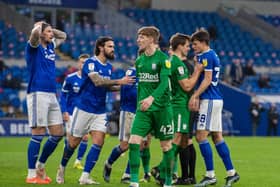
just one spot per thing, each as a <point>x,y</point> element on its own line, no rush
<point>34,38</point>
<point>59,36</point>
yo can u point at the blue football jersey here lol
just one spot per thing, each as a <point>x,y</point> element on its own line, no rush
<point>70,92</point>
<point>41,67</point>
<point>129,94</point>
<point>92,98</point>
<point>211,62</point>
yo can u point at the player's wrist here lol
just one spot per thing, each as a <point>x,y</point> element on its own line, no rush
<point>195,95</point>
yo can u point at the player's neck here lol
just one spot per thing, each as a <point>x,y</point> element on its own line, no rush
<point>206,48</point>
<point>79,72</point>
<point>102,59</point>
<point>44,44</point>
<point>179,55</point>
<point>150,51</point>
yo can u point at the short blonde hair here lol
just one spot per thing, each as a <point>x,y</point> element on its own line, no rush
<point>151,31</point>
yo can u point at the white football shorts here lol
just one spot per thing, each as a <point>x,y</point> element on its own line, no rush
<point>126,120</point>
<point>68,124</point>
<point>210,115</point>
<point>43,109</point>
<point>83,122</point>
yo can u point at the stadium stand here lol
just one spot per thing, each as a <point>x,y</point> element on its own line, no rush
<point>232,42</point>
<point>272,19</point>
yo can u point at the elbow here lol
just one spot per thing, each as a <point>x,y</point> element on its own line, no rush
<point>64,36</point>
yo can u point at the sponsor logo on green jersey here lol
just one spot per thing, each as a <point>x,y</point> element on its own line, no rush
<point>147,77</point>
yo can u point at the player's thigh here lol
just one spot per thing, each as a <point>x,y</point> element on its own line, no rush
<point>210,115</point>
<point>163,123</point>
<point>38,109</point>
<point>142,123</point>
<point>80,122</point>
<point>98,122</point>
<point>126,119</point>
<point>181,118</point>
<point>55,115</point>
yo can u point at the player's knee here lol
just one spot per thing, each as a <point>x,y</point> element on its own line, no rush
<point>177,139</point>
<point>124,146</point>
<point>166,145</point>
<point>135,139</point>
<point>73,144</point>
<point>85,138</point>
<point>217,137</point>
<point>55,139</point>
<point>200,138</point>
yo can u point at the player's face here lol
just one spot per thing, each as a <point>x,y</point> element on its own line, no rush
<point>47,34</point>
<point>170,51</point>
<point>144,41</point>
<point>185,48</point>
<point>81,63</point>
<point>197,46</point>
<point>109,50</point>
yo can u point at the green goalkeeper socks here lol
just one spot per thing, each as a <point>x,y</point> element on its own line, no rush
<point>134,161</point>
<point>146,156</point>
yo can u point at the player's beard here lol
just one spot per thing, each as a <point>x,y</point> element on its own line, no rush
<point>110,56</point>
<point>45,40</point>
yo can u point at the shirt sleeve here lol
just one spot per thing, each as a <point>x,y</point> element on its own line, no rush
<point>207,63</point>
<point>64,95</point>
<point>89,67</point>
<point>181,72</point>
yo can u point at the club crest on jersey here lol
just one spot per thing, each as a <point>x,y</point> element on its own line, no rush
<point>91,66</point>
<point>168,64</point>
<point>76,87</point>
<point>128,72</point>
<point>204,62</point>
<point>154,66</point>
<point>181,70</point>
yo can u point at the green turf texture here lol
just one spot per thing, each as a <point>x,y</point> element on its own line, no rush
<point>257,160</point>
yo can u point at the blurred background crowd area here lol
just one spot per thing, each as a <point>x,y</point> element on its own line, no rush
<point>244,33</point>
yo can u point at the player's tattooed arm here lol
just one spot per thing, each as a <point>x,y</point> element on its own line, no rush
<point>101,81</point>
<point>60,37</point>
<point>34,38</point>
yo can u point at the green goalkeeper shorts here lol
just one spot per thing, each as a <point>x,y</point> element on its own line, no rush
<point>161,122</point>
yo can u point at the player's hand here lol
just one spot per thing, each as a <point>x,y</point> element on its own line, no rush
<point>198,67</point>
<point>65,116</point>
<point>195,60</point>
<point>146,103</point>
<point>38,23</point>
<point>194,103</point>
<point>127,80</point>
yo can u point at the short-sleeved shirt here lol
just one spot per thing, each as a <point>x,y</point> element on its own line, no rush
<point>149,69</point>
<point>211,62</point>
<point>70,92</point>
<point>179,71</point>
<point>129,94</point>
<point>41,67</point>
<point>92,99</point>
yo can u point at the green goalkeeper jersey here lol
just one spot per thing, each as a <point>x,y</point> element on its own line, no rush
<point>153,79</point>
<point>179,71</point>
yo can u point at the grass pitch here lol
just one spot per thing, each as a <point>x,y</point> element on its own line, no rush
<point>256,160</point>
